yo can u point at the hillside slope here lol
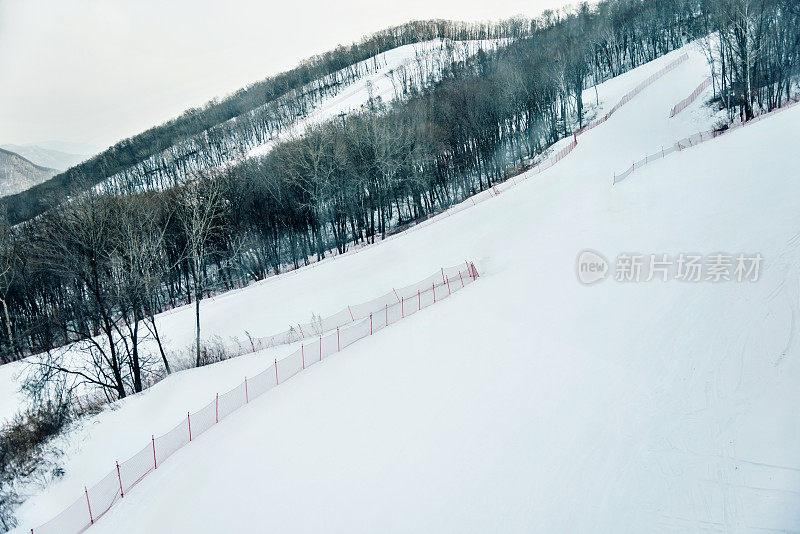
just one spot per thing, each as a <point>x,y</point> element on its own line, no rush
<point>401,69</point>
<point>385,77</point>
<point>18,173</point>
<point>528,402</point>
<point>263,109</point>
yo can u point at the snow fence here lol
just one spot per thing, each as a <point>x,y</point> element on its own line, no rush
<point>683,104</point>
<point>542,166</point>
<point>635,91</point>
<point>362,321</point>
<point>700,137</point>
<point>346,316</point>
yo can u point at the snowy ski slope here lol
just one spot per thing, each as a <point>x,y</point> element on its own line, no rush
<point>525,403</point>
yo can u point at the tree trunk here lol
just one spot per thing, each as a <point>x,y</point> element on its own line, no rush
<point>197,325</point>
<point>8,325</point>
<point>137,369</point>
<point>160,346</point>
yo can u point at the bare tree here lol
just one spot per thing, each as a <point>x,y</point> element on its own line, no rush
<point>741,34</point>
<point>7,272</point>
<point>77,245</point>
<point>140,266</point>
<point>201,212</point>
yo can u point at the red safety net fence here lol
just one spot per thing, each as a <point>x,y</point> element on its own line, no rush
<point>542,166</point>
<point>346,316</point>
<point>683,104</point>
<point>299,332</point>
<point>360,321</point>
<point>701,137</point>
<point>635,91</point>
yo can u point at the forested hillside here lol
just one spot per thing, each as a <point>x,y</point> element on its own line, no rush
<point>199,136</point>
<point>18,173</point>
<point>102,262</point>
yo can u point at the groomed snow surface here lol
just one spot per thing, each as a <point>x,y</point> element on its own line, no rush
<point>527,402</point>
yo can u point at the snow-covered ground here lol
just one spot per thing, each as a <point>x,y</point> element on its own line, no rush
<point>528,402</point>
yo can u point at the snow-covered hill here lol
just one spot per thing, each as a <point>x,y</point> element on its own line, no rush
<point>18,173</point>
<point>527,402</point>
<point>401,69</point>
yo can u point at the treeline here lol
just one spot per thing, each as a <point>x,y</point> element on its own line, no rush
<point>755,54</point>
<point>297,88</point>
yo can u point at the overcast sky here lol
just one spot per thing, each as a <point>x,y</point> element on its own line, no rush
<point>96,71</point>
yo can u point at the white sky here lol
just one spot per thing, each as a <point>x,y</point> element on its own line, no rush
<point>96,71</point>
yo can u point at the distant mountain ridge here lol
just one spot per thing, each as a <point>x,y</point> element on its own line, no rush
<point>18,173</point>
<point>46,157</point>
<point>70,147</point>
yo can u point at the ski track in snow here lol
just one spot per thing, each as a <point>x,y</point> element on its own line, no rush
<point>525,403</point>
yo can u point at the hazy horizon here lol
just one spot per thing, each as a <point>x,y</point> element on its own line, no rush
<point>93,72</point>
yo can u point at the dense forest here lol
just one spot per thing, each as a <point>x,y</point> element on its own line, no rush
<point>96,269</point>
